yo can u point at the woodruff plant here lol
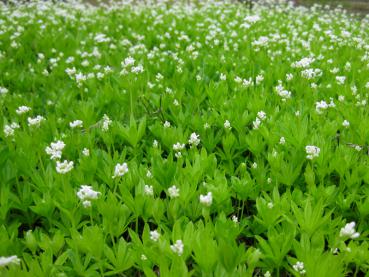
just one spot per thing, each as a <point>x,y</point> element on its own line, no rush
<point>183,139</point>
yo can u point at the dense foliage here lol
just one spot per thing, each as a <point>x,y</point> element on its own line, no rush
<point>179,139</point>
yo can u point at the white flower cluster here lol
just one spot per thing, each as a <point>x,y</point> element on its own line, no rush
<point>154,235</point>
<point>207,199</point>
<point>194,139</point>
<point>178,147</point>
<point>106,123</point>
<point>177,247</point>
<point>76,124</point>
<point>149,190</point>
<point>303,63</point>
<point>299,267</point>
<point>349,231</point>
<point>64,167</point>
<point>9,129</point>
<point>3,91</point>
<point>86,194</point>
<point>261,116</point>
<point>312,151</point>
<point>282,92</point>
<point>173,192</point>
<point>22,110</point>
<point>36,121</point>
<point>5,261</point>
<point>120,170</point>
<point>129,65</point>
<point>322,106</point>
<point>55,149</point>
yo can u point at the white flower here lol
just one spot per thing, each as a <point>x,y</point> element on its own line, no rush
<point>106,123</point>
<point>166,124</point>
<point>207,199</point>
<point>55,149</point>
<point>340,79</point>
<point>87,193</point>
<point>148,174</point>
<point>9,129</point>
<point>173,192</point>
<point>346,124</point>
<point>256,123</point>
<point>270,205</point>
<point>267,274</point>
<point>349,231</point>
<point>261,115</point>
<point>194,139</point>
<point>320,106</point>
<point>358,148</point>
<point>178,146</point>
<point>155,143</point>
<point>341,98</point>
<point>76,123</point>
<point>143,257</point>
<point>227,125</point>
<point>254,165</point>
<point>4,261</point>
<point>3,90</point>
<point>36,121</point>
<point>86,203</point>
<point>234,218</point>
<point>312,151</point>
<point>64,167</point>
<point>86,152</point>
<point>154,235</point>
<point>282,140</point>
<point>120,170</point>
<point>223,77</point>
<point>177,247</point>
<point>23,109</point>
<point>149,190</point>
<point>299,267</point>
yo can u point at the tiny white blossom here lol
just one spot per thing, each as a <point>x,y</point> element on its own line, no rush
<point>143,257</point>
<point>349,231</point>
<point>120,170</point>
<point>36,121</point>
<point>76,123</point>
<point>3,91</point>
<point>166,124</point>
<point>64,167</point>
<point>23,109</point>
<point>261,115</point>
<point>282,140</point>
<point>194,139</point>
<point>55,149</point>
<point>207,199</point>
<point>154,235</point>
<point>346,124</point>
<point>177,247</point>
<point>87,193</point>
<point>5,261</point>
<point>299,267</point>
<point>173,192</point>
<point>227,125</point>
<point>178,146</point>
<point>312,151</point>
<point>86,152</point>
<point>149,190</point>
<point>106,123</point>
